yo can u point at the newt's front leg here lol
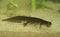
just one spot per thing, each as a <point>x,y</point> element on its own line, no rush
<point>25,23</point>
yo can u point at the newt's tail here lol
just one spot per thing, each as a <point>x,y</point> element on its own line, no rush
<point>12,20</point>
<point>5,19</point>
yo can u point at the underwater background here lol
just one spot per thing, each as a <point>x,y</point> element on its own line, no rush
<point>46,9</point>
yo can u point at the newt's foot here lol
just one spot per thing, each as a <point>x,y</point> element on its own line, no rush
<point>25,24</point>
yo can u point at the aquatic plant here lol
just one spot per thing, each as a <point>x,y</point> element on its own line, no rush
<point>36,3</point>
<point>33,5</point>
<point>41,3</point>
<point>11,5</point>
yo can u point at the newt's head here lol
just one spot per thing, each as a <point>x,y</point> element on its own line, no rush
<point>49,24</point>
